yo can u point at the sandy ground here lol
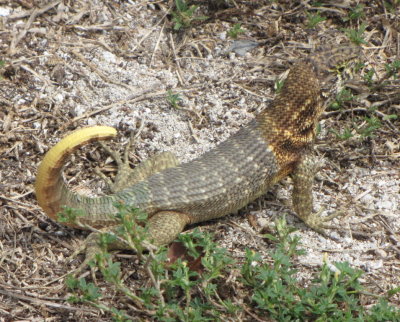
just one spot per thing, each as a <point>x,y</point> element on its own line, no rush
<point>68,65</point>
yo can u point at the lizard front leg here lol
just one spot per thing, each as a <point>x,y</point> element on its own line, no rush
<point>302,197</point>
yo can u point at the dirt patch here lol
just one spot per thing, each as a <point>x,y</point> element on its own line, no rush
<point>72,64</point>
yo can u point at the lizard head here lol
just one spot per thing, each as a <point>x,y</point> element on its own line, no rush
<point>328,62</point>
<point>289,123</point>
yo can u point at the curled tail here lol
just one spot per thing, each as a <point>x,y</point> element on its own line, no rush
<point>49,186</point>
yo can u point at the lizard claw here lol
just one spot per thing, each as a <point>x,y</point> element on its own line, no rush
<point>317,223</point>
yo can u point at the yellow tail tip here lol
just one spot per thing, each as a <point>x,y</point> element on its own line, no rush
<point>49,170</point>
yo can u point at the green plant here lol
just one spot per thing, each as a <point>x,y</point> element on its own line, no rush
<point>278,85</point>
<point>314,19</point>
<point>393,69</point>
<point>382,311</point>
<point>344,135</point>
<point>170,284</point>
<point>70,215</point>
<point>343,96</point>
<point>372,124</point>
<point>173,99</point>
<point>91,295</point>
<point>356,13</point>
<point>356,36</point>
<point>183,16</point>
<point>332,295</point>
<point>189,284</point>
<point>390,117</point>
<point>368,76</point>
<point>235,31</point>
<point>204,266</point>
<point>391,5</point>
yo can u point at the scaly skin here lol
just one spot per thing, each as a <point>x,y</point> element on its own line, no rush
<point>277,143</point>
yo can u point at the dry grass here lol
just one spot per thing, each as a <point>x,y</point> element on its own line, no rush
<point>57,58</point>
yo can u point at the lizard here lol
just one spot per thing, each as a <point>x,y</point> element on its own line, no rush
<point>277,143</point>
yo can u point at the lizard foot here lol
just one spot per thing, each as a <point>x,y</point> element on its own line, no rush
<point>95,250</point>
<point>162,228</point>
<point>90,247</point>
<point>318,223</point>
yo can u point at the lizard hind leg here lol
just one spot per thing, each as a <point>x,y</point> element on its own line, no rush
<point>165,226</point>
<point>127,176</point>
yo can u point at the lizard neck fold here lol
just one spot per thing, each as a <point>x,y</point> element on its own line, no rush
<point>289,124</point>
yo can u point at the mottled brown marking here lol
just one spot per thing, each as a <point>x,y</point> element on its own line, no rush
<point>289,123</point>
